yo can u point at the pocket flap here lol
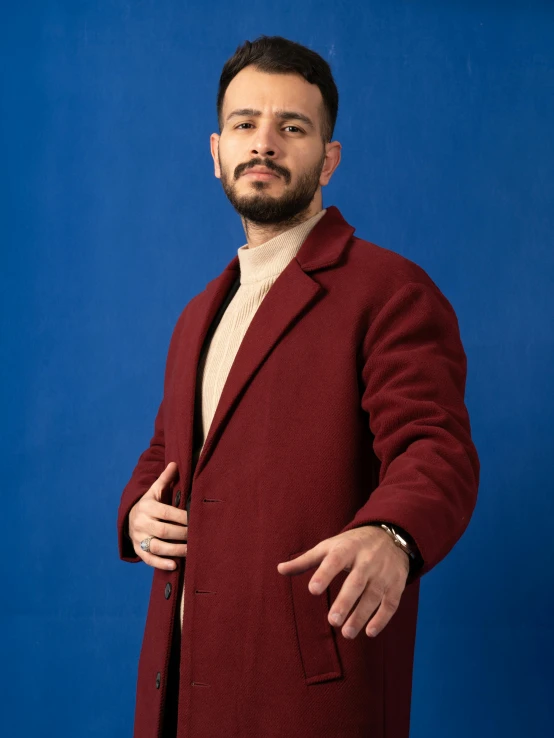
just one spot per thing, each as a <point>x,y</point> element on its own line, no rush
<point>316,637</point>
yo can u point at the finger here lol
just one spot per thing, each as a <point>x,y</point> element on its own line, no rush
<point>163,548</point>
<point>370,597</point>
<point>339,557</point>
<point>305,561</point>
<point>353,587</point>
<point>144,525</point>
<point>156,561</point>
<point>161,511</point>
<point>167,531</point>
<point>163,480</point>
<point>389,605</point>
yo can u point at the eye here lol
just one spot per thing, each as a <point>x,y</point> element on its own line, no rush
<point>296,129</point>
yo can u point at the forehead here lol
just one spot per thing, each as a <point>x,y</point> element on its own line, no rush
<point>251,88</point>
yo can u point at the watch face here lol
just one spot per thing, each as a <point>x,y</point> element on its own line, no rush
<point>404,543</point>
<point>399,541</point>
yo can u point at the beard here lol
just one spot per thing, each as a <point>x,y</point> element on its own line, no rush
<point>262,208</point>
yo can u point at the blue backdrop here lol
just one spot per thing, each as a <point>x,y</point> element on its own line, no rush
<point>111,220</point>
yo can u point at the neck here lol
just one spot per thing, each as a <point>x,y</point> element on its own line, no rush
<point>258,233</point>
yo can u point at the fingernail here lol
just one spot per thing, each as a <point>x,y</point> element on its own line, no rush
<point>349,632</point>
<point>336,617</point>
<point>315,587</point>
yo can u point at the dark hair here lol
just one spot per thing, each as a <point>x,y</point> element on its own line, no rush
<point>278,55</point>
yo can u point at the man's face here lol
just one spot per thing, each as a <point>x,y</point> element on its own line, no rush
<point>272,122</point>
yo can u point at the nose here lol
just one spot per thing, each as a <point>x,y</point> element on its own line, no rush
<point>265,142</point>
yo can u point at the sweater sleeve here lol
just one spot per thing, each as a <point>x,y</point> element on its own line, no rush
<point>414,373</point>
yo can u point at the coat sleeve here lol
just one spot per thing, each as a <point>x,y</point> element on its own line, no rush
<point>414,373</point>
<point>150,465</point>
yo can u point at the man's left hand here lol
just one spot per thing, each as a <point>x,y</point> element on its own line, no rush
<point>378,573</point>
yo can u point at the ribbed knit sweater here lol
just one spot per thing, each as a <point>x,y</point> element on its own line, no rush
<point>259,268</point>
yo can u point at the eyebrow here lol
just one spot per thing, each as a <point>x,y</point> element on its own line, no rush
<point>281,114</point>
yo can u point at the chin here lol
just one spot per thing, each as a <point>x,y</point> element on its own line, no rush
<point>259,185</point>
<point>259,193</point>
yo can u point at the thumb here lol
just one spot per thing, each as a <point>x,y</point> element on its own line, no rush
<point>168,474</point>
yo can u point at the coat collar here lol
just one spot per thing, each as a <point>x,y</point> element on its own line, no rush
<point>323,246</point>
<point>293,293</point>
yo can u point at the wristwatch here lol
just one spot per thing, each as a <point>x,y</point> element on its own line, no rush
<point>399,541</point>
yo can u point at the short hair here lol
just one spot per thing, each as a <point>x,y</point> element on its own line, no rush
<point>278,55</point>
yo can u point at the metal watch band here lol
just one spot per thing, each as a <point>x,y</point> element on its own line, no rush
<point>399,541</point>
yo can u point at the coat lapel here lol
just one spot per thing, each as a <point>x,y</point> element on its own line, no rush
<point>292,294</point>
<point>201,312</point>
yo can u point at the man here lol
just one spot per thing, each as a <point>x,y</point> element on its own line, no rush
<point>312,448</point>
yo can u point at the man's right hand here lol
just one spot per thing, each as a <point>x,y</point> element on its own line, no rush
<point>150,517</point>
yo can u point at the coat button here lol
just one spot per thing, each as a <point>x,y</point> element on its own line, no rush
<point>167,591</point>
<point>178,498</point>
<point>158,680</point>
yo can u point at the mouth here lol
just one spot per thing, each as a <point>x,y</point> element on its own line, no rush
<point>264,174</point>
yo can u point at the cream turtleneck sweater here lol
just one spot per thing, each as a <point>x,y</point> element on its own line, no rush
<point>259,268</point>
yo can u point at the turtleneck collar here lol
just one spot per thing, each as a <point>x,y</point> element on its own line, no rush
<point>270,258</point>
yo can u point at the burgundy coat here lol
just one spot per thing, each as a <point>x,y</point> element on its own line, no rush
<point>344,405</point>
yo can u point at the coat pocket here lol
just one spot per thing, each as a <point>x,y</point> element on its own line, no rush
<point>316,637</point>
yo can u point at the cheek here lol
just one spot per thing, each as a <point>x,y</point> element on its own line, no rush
<point>233,152</point>
<point>306,158</point>
<point>230,157</point>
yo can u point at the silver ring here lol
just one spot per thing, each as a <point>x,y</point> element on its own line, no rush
<point>145,545</point>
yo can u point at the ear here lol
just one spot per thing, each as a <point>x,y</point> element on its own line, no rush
<point>332,160</point>
<point>214,147</point>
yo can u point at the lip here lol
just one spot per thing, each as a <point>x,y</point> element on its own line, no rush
<point>260,173</point>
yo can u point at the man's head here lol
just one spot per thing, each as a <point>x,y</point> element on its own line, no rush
<point>277,106</point>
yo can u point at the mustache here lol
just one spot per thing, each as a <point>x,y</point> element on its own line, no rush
<point>263,163</point>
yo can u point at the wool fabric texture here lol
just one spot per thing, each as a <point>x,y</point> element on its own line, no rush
<point>259,268</point>
<point>344,406</point>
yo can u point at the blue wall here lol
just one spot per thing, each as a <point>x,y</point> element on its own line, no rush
<point>111,220</point>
